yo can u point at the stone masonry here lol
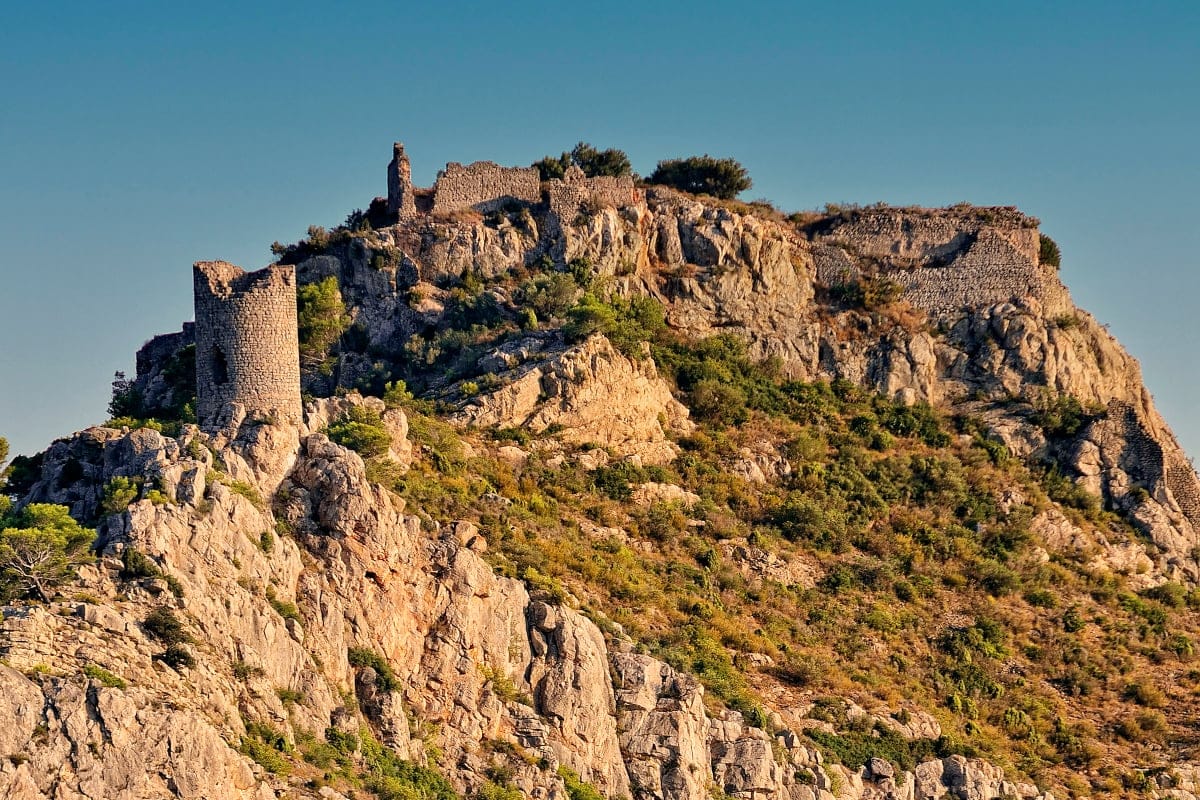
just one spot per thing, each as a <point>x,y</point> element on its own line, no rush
<point>575,190</point>
<point>484,186</point>
<point>401,200</point>
<point>946,259</point>
<point>247,346</point>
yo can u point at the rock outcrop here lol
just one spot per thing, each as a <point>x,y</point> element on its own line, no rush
<point>980,324</point>
<point>592,394</point>
<point>313,601</point>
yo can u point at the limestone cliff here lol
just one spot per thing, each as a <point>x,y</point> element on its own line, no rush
<point>980,325</point>
<point>331,608</point>
<point>273,623</point>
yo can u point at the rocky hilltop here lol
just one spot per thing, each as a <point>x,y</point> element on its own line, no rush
<point>603,489</point>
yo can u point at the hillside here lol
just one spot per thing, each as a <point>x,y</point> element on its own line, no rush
<point>598,488</point>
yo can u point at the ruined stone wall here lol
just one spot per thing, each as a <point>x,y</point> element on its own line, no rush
<point>247,346</point>
<point>401,200</point>
<point>946,259</point>
<point>929,234</point>
<point>484,186</point>
<point>575,191</point>
<point>1126,441</point>
<point>989,270</point>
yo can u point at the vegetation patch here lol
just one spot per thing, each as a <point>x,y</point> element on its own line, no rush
<point>362,430</point>
<point>40,548</point>
<point>103,676</point>
<point>385,677</point>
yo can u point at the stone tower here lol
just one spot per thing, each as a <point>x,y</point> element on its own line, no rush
<point>400,188</point>
<point>247,346</point>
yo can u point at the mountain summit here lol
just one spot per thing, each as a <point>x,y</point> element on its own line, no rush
<point>552,482</point>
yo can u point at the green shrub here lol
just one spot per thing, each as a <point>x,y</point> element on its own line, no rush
<point>1048,252</point>
<point>321,319</point>
<point>1061,416</point>
<point>871,293</point>
<point>119,493</point>
<point>1072,621</point>
<point>106,678</point>
<point>627,322</point>
<point>40,547</point>
<point>577,788</point>
<point>284,608</point>
<point>495,791</point>
<point>162,624</point>
<point>854,748</point>
<point>502,686</point>
<point>392,778</point>
<point>385,678</point>
<point>136,565</point>
<point>362,430</point>
<point>1144,694</point>
<point>718,402</point>
<point>176,656</point>
<point>247,491</point>
<point>267,747</point>
<point>723,178</point>
<point>593,162</point>
<point>549,296</point>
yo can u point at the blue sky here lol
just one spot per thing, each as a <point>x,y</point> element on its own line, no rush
<point>136,138</point>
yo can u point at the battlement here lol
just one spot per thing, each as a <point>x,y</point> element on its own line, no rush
<point>247,345</point>
<point>485,186</point>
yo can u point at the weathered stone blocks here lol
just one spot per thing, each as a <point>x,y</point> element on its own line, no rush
<point>247,345</point>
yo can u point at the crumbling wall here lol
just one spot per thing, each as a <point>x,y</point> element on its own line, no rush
<point>946,259</point>
<point>401,200</point>
<point>987,271</point>
<point>247,345</point>
<point>922,234</point>
<point>484,186</point>
<point>576,191</point>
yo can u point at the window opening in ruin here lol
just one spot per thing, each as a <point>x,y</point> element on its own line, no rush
<point>220,367</point>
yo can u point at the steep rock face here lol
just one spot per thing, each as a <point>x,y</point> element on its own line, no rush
<point>592,393</point>
<point>981,327</point>
<point>981,323</point>
<point>77,741</point>
<point>476,658</point>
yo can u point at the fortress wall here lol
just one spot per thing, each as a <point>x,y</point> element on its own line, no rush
<point>401,200</point>
<point>988,271</point>
<point>946,259</point>
<point>484,186</point>
<point>567,196</point>
<point>247,345</point>
<point>926,234</point>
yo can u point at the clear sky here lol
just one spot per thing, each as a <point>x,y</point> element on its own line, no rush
<point>136,138</point>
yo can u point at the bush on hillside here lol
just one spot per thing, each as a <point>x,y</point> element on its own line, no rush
<point>40,547</point>
<point>362,430</point>
<point>593,162</point>
<point>1048,252</point>
<point>322,319</point>
<point>724,178</point>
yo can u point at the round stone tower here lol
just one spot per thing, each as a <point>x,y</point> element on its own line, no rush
<point>247,347</point>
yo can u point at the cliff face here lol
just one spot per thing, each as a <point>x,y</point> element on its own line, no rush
<point>273,623</point>
<point>980,326</point>
<point>324,610</point>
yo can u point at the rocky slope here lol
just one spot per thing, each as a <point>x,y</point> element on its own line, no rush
<point>332,606</point>
<point>478,658</point>
<point>980,324</point>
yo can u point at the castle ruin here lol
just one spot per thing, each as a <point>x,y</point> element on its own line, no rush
<point>485,186</point>
<point>247,345</point>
